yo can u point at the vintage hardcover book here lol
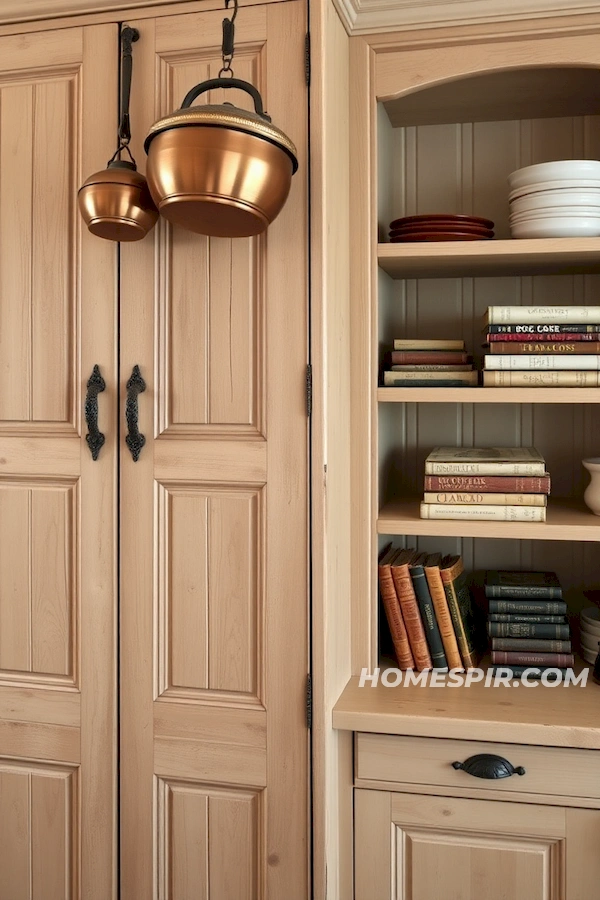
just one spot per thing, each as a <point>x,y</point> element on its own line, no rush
<point>485,461</point>
<point>442,611</point>
<point>522,585</point>
<point>541,315</point>
<point>532,619</point>
<point>433,367</point>
<point>489,483</point>
<point>552,673</point>
<point>569,348</point>
<point>432,632</point>
<point>534,645</point>
<point>498,362</point>
<point>418,357</point>
<point>401,382</point>
<point>393,379</point>
<point>392,609</point>
<point>541,378</point>
<point>426,344</point>
<point>534,659</point>
<point>484,513</point>
<point>546,328</point>
<point>529,607</point>
<point>528,630</point>
<point>546,337</point>
<point>464,497</point>
<point>410,609</point>
<point>460,604</point>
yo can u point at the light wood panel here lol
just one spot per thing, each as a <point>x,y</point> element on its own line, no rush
<point>214,623</point>
<point>57,521</point>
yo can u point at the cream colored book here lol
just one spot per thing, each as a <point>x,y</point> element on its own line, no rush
<point>418,344</point>
<point>485,461</point>
<point>392,378</point>
<point>540,315</point>
<point>484,513</point>
<point>545,361</point>
<point>541,378</point>
<point>465,498</point>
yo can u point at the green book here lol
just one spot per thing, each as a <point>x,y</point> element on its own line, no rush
<point>523,585</point>
<point>525,607</point>
<point>427,610</point>
<point>518,630</point>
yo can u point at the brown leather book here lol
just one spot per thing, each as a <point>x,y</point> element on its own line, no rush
<point>561,660</point>
<point>513,484</point>
<point>568,348</point>
<point>418,357</point>
<point>393,612</point>
<point>442,611</point>
<point>410,608</point>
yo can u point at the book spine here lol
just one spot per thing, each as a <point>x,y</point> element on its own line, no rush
<point>524,591</point>
<point>512,338</point>
<point>394,618</point>
<point>412,617</point>
<point>459,603</point>
<point>524,607</point>
<point>567,347</point>
<point>533,645</point>
<point>541,378</point>
<point>527,620</point>
<point>420,344</point>
<point>527,630</point>
<point>534,659</point>
<point>488,483</point>
<point>405,357</point>
<point>465,498</point>
<point>433,367</point>
<point>547,329</point>
<point>542,315</point>
<point>432,631</point>
<point>442,614</point>
<point>401,381</point>
<point>554,673</point>
<point>485,513</point>
<point>500,469</point>
<point>542,361</point>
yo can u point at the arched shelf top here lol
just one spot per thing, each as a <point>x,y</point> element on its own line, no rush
<point>526,92</point>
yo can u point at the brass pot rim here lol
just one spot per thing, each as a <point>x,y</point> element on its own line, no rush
<point>228,117</point>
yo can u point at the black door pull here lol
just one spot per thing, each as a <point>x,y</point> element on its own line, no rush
<point>134,440</point>
<point>95,439</point>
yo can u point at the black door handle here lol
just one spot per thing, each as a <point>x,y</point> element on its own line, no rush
<point>134,440</point>
<point>95,439</point>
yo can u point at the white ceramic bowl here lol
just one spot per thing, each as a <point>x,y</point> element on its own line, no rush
<point>589,657</point>
<point>550,212</point>
<point>591,614</point>
<point>561,198</point>
<point>590,643</point>
<point>556,226</point>
<point>590,631</point>
<point>556,170</point>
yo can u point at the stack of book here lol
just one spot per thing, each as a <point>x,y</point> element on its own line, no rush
<point>429,609</point>
<point>556,346</point>
<point>527,622</point>
<point>508,484</point>
<point>429,363</point>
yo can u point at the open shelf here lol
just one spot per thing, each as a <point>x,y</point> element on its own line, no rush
<point>455,259</point>
<point>567,520</point>
<point>561,716</point>
<point>488,395</point>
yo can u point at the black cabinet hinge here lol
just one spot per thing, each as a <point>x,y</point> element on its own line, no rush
<point>309,390</point>
<point>308,702</point>
<point>307,58</point>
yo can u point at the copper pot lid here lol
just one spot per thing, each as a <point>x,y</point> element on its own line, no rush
<point>225,115</point>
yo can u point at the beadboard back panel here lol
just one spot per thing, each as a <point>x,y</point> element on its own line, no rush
<point>463,168</point>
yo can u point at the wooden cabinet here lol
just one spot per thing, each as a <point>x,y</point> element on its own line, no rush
<point>415,847</point>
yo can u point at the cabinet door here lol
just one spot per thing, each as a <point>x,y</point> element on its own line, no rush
<point>57,506</point>
<point>214,764</point>
<point>413,847</point>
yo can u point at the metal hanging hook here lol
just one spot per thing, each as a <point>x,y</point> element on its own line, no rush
<point>128,37</point>
<point>228,49</point>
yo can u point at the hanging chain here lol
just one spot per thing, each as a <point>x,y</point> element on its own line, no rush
<point>128,37</point>
<point>228,41</point>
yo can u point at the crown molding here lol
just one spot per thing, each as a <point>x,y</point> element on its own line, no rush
<point>369,16</point>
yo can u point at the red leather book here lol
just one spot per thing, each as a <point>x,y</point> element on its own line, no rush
<point>532,348</point>
<point>393,612</point>
<point>410,608</point>
<point>560,660</point>
<point>590,336</point>
<point>500,484</point>
<point>418,357</point>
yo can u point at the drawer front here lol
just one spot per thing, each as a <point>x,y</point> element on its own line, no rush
<point>397,760</point>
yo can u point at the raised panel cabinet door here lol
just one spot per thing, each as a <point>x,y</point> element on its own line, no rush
<point>413,847</point>
<point>58,820</point>
<point>214,609</point>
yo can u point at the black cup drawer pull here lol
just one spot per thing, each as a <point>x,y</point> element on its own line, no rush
<point>134,440</point>
<point>94,438</point>
<point>488,765</point>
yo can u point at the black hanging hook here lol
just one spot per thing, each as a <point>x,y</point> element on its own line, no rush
<point>128,37</point>
<point>228,38</point>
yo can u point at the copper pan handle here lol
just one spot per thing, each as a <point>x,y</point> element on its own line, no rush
<point>227,83</point>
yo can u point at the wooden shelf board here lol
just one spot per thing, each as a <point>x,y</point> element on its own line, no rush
<point>456,259</point>
<point>566,521</point>
<point>555,717</point>
<point>488,395</point>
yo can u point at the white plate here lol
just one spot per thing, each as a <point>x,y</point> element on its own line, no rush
<point>555,227</point>
<point>565,184</point>
<point>557,212</point>
<point>589,657</point>
<point>558,199</point>
<point>556,170</point>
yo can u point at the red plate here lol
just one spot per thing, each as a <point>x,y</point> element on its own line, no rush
<point>417,229</point>
<point>439,236</point>
<point>432,219</point>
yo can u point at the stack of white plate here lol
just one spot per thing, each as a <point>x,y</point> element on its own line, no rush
<point>556,199</point>
<point>590,633</point>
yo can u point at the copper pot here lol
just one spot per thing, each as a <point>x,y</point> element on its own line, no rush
<point>219,170</point>
<point>116,203</point>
